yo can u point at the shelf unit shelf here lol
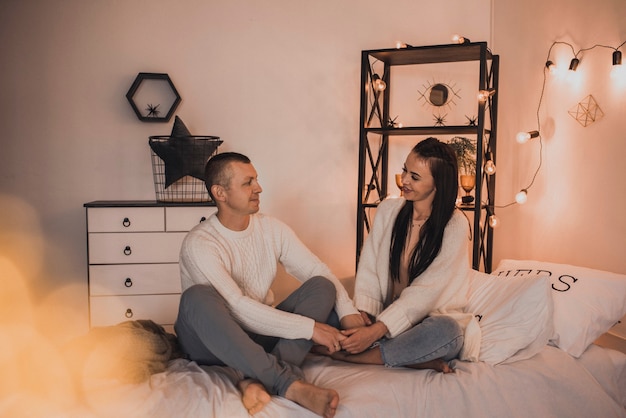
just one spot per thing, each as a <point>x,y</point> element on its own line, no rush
<point>374,141</point>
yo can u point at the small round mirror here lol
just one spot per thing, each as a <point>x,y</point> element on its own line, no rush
<point>438,95</point>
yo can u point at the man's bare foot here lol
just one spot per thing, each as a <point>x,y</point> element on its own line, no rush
<point>322,401</point>
<point>253,395</point>
<point>437,364</point>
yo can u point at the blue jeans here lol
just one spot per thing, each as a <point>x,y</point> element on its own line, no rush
<point>435,337</point>
<point>209,334</point>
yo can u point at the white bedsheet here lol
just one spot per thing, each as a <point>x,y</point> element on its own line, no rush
<point>551,384</point>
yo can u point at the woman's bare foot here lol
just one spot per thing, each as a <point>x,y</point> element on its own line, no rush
<point>374,356</point>
<point>437,364</point>
<point>253,395</point>
<point>322,401</point>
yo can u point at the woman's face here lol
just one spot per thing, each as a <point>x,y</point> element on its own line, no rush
<point>418,184</point>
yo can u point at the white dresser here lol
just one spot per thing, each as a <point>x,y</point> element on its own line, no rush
<point>133,249</point>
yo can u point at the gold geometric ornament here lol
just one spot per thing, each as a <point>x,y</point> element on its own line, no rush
<point>587,111</point>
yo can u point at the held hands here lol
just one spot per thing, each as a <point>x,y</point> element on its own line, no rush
<point>360,339</point>
<point>327,336</point>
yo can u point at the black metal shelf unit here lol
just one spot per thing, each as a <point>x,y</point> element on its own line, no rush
<point>374,141</point>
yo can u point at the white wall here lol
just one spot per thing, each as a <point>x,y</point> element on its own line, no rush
<point>575,208</point>
<point>277,80</point>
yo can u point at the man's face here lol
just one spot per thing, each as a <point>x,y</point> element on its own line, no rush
<point>242,193</point>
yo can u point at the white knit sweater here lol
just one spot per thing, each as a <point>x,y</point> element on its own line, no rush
<point>441,289</point>
<point>242,265</point>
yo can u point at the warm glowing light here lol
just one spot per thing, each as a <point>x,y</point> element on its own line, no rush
<point>523,137</point>
<point>483,95</point>
<point>521,197</point>
<point>400,45</point>
<point>458,39</point>
<point>551,66</point>
<point>379,84</point>
<point>617,58</point>
<point>494,221</point>
<point>490,167</point>
<point>618,71</point>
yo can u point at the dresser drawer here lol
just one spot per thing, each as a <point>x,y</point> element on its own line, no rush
<point>124,248</point>
<point>111,310</point>
<point>133,279</point>
<point>185,218</point>
<point>125,219</point>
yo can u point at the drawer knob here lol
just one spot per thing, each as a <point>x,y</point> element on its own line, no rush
<point>202,219</point>
<point>127,250</point>
<point>129,313</point>
<point>128,282</point>
<point>126,222</point>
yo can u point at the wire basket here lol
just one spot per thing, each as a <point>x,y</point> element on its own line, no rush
<point>188,155</point>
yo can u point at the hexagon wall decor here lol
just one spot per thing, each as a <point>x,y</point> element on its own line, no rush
<point>153,97</point>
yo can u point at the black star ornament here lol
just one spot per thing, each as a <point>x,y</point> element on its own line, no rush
<point>183,154</point>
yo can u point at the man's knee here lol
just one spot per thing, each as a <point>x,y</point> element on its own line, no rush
<point>199,297</point>
<point>322,285</point>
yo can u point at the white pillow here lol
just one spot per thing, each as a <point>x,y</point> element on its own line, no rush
<point>515,316</point>
<point>587,302</point>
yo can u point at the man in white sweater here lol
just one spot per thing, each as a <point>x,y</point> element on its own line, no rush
<point>228,264</point>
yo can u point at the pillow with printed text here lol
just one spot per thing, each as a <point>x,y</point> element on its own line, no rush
<point>515,316</point>
<point>587,302</point>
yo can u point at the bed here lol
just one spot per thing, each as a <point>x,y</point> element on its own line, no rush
<point>538,322</point>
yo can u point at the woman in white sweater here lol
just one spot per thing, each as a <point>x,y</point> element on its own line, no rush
<point>413,272</point>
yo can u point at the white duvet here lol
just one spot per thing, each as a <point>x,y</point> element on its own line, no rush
<point>550,384</point>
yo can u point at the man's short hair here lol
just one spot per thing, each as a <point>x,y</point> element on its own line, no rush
<point>216,170</point>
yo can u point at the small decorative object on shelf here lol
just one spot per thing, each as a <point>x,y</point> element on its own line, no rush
<point>178,162</point>
<point>153,92</point>
<point>465,150</point>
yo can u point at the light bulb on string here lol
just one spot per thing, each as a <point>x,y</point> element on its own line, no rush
<point>494,221</point>
<point>490,168</point>
<point>522,196</point>
<point>523,137</point>
<point>483,95</point>
<point>401,45</point>
<point>458,39</point>
<point>618,72</point>
<point>378,83</point>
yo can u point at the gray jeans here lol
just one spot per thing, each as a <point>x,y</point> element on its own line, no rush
<point>209,334</point>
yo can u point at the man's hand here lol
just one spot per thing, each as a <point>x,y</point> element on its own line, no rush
<point>329,337</point>
<point>360,339</point>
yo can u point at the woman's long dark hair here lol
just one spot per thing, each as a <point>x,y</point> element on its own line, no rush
<point>442,162</point>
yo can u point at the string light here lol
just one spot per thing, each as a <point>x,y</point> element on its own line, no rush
<point>490,166</point>
<point>458,39</point>
<point>617,57</point>
<point>550,67</point>
<point>401,45</point>
<point>379,84</point>
<point>483,95</point>
<point>523,137</point>
<point>522,196</point>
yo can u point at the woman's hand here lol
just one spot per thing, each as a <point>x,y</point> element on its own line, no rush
<point>327,336</point>
<point>360,339</point>
<point>353,321</point>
